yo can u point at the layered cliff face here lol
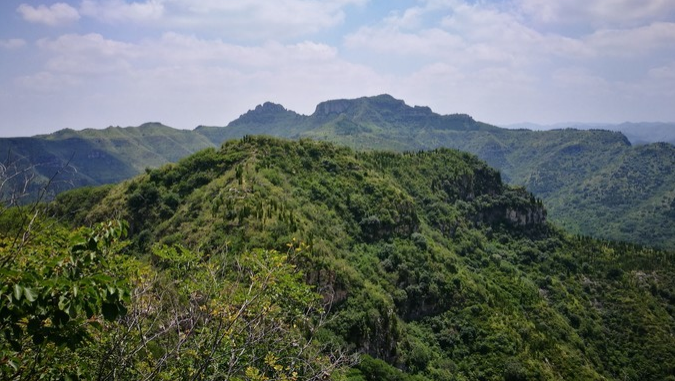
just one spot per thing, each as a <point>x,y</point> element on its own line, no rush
<point>388,112</point>
<point>335,107</point>
<point>385,104</point>
<point>529,217</point>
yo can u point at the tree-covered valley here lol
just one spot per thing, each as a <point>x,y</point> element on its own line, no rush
<point>593,182</point>
<point>272,259</point>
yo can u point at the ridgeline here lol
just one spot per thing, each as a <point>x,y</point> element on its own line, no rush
<point>594,182</point>
<point>430,266</point>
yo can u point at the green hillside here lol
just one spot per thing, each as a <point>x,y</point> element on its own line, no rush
<point>431,267</point>
<point>593,182</point>
<point>94,157</point>
<point>637,133</point>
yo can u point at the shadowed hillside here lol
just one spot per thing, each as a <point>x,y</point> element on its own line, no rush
<point>94,157</point>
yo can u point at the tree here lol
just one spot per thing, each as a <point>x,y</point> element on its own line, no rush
<point>57,288</point>
<point>196,317</point>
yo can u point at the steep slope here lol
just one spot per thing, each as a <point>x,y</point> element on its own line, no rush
<point>432,264</point>
<point>93,157</point>
<point>593,181</point>
<point>266,119</point>
<point>632,196</point>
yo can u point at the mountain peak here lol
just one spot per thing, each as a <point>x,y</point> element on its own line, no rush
<point>152,125</point>
<point>263,113</point>
<point>269,107</point>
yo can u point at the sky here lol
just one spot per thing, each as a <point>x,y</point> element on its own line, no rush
<point>91,64</point>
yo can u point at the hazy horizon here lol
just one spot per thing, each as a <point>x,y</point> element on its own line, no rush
<point>518,125</point>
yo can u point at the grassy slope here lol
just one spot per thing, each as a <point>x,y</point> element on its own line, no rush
<point>434,266</point>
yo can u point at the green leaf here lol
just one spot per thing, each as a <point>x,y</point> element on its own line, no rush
<point>63,302</point>
<point>100,278</point>
<point>88,311</point>
<point>13,365</point>
<point>18,290</point>
<point>29,294</point>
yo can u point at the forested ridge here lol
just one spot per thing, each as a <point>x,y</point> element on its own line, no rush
<point>593,182</point>
<point>275,259</point>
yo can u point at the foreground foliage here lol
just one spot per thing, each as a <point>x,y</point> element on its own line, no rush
<point>58,289</point>
<point>84,305</point>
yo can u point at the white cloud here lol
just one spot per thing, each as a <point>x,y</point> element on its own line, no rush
<point>433,42</point>
<point>666,72</point>
<point>179,48</point>
<point>92,42</point>
<point>464,34</point>
<point>115,11</point>
<point>92,53</point>
<point>633,42</point>
<point>210,60</point>
<point>295,11</point>
<point>598,13</point>
<point>193,80</point>
<point>236,19</point>
<point>409,19</point>
<point>503,64</point>
<point>56,14</point>
<point>579,78</point>
<point>259,19</point>
<point>438,70</point>
<point>12,43</point>
<point>45,82</point>
<point>480,93</point>
<point>483,34</point>
<point>87,54</point>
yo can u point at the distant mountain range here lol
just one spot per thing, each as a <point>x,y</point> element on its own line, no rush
<point>592,181</point>
<point>637,133</point>
<point>95,157</point>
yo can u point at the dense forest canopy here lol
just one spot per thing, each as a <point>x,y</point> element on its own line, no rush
<point>277,259</point>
